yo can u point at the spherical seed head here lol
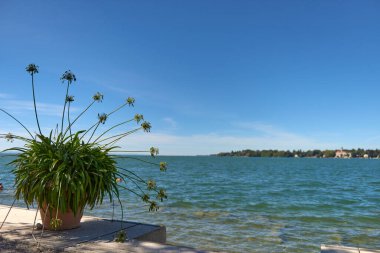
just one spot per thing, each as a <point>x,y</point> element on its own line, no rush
<point>153,151</point>
<point>151,185</point>
<point>163,166</point>
<point>70,99</point>
<point>161,195</point>
<point>130,101</point>
<point>102,118</point>
<point>32,69</point>
<point>9,137</point>
<point>138,117</point>
<point>145,198</point>
<point>146,126</point>
<point>68,76</point>
<point>153,206</point>
<point>98,97</point>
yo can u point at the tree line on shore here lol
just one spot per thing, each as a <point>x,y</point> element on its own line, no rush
<point>316,153</point>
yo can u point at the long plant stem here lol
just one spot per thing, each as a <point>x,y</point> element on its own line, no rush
<point>122,213</point>
<point>124,176</point>
<point>59,198</point>
<point>118,135</point>
<point>68,117</point>
<point>34,225</point>
<point>137,177</point>
<point>132,180</point>
<point>95,125</point>
<point>129,151</point>
<point>35,107</point>
<point>121,137</point>
<point>130,190</point>
<point>138,159</point>
<point>6,216</point>
<point>44,220</point>
<point>111,137</point>
<point>72,123</point>
<point>89,130</point>
<point>64,107</point>
<point>93,132</point>
<point>116,109</point>
<point>10,115</point>
<point>122,123</point>
<point>113,209</point>
<point>16,137</point>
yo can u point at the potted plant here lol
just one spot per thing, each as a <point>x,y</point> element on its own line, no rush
<point>64,170</point>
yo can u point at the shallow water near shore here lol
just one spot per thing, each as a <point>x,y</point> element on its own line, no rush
<point>238,204</point>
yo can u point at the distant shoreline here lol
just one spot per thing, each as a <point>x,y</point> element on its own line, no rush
<point>316,153</point>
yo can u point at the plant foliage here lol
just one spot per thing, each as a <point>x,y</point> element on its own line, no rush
<point>70,170</point>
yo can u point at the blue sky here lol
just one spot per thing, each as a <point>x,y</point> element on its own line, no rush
<point>210,76</point>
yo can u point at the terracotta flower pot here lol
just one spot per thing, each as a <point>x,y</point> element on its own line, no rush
<point>69,220</point>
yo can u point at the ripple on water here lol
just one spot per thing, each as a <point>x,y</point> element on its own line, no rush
<point>209,214</point>
<point>261,205</point>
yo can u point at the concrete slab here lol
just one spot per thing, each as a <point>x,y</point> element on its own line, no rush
<point>361,250</point>
<point>343,249</point>
<point>95,234</point>
<point>338,249</point>
<point>20,222</point>
<point>130,247</point>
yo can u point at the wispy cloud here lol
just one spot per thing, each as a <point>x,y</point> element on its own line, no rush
<point>47,109</point>
<point>118,89</point>
<point>204,144</point>
<point>5,96</point>
<point>266,130</point>
<point>253,136</point>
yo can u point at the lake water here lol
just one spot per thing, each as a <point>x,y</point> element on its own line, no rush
<point>257,204</point>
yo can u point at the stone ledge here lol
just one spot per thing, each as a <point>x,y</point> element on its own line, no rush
<point>343,249</point>
<point>94,234</point>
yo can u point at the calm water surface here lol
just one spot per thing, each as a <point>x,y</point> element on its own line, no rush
<point>257,204</point>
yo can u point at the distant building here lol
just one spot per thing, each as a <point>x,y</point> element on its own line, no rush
<point>342,154</point>
<point>365,156</point>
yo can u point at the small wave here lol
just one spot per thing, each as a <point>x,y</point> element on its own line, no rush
<point>209,214</point>
<point>181,204</point>
<point>366,219</point>
<point>315,219</point>
<point>261,205</point>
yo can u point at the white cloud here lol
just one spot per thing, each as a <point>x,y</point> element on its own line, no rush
<point>118,89</point>
<point>47,109</point>
<point>5,96</point>
<point>263,137</point>
<point>205,144</point>
<point>268,130</point>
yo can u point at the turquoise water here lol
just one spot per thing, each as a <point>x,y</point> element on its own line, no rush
<point>258,204</point>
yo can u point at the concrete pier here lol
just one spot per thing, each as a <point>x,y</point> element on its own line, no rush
<point>94,234</point>
<point>342,249</point>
